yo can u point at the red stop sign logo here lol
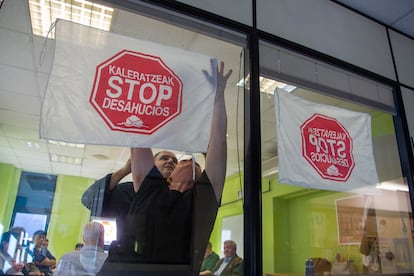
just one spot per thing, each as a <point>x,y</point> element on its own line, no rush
<point>327,146</point>
<point>135,92</point>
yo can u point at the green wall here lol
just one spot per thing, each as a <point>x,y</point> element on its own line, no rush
<point>68,214</point>
<point>298,224</point>
<point>10,177</point>
<point>276,235</point>
<point>231,205</point>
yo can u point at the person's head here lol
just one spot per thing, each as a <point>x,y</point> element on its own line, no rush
<point>5,239</point>
<point>230,248</point>
<point>93,234</point>
<point>208,250</point>
<point>182,175</point>
<point>79,246</point>
<point>4,247</point>
<point>38,238</point>
<point>165,161</point>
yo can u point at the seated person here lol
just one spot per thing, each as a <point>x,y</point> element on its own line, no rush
<point>8,264</point>
<point>19,232</point>
<point>210,258</point>
<point>42,257</point>
<point>230,264</point>
<point>90,258</point>
<point>167,216</point>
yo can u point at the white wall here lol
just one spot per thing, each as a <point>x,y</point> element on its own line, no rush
<point>403,49</point>
<point>329,28</point>
<point>408,97</point>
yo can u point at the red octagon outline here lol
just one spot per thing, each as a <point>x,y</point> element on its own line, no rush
<point>323,174</point>
<point>104,116</point>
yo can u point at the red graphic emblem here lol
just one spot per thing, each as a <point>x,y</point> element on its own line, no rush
<point>135,92</point>
<point>327,146</point>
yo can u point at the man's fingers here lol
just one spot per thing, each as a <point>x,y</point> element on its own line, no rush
<point>227,76</point>
<point>220,72</point>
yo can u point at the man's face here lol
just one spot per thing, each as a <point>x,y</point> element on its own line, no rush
<point>165,161</point>
<point>38,240</point>
<point>229,250</point>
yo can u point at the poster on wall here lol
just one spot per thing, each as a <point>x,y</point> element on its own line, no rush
<point>350,219</point>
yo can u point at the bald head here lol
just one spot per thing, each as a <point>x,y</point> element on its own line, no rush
<point>93,234</point>
<point>165,161</point>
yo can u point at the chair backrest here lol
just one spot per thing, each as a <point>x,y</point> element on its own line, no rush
<point>321,265</point>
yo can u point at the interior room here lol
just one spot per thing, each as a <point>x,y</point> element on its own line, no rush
<point>44,179</point>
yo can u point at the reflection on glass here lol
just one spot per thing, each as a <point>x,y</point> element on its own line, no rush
<point>344,231</point>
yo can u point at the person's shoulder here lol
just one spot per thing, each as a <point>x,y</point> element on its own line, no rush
<point>102,254</point>
<point>155,173</point>
<point>126,186</point>
<point>74,253</point>
<point>237,260</point>
<point>69,255</point>
<point>154,177</point>
<point>203,179</point>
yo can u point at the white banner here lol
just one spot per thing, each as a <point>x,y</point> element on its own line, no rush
<point>322,146</point>
<point>109,89</point>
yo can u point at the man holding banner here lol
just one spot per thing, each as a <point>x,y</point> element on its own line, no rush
<point>108,197</point>
<point>170,221</point>
<point>143,95</point>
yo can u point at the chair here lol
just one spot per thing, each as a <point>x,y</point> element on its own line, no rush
<point>320,266</point>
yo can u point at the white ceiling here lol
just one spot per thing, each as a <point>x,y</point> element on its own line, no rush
<point>23,84</point>
<point>397,14</point>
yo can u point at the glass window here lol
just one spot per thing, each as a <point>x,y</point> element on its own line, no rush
<point>314,206</point>
<point>34,202</point>
<point>180,250</point>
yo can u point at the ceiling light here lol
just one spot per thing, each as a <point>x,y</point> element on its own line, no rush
<point>101,156</point>
<point>43,14</point>
<point>65,159</point>
<point>267,85</point>
<point>391,186</point>
<point>32,145</point>
<point>70,145</point>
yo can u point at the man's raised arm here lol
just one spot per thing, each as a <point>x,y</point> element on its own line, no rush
<point>118,175</point>
<point>142,162</point>
<point>216,158</point>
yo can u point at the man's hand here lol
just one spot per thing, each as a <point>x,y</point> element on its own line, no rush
<point>221,77</point>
